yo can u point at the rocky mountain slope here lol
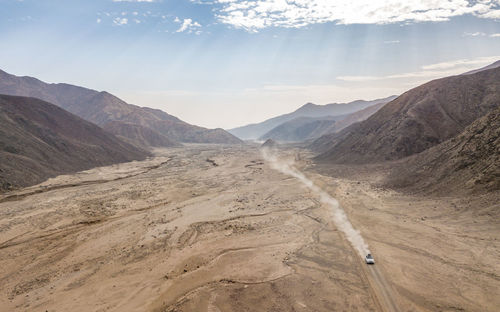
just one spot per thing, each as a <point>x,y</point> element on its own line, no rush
<point>469,161</point>
<point>102,107</point>
<point>311,128</point>
<point>354,117</point>
<point>138,135</point>
<point>254,131</point>
<point>491,66</point>
<point>417,120</point>
<point>300,129</point>
<point>40,140</point>
<point>269,143</point>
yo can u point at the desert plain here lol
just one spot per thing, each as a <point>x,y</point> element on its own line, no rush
<point>215,228</point>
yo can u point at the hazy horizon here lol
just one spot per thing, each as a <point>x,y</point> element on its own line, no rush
<point>229,63</point>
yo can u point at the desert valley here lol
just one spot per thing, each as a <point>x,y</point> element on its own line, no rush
<point>249,156</point>
<point>192,219</point>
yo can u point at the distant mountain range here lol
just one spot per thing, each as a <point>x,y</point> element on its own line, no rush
<point>440,135</point>
<point>301,129</point>
<point>309,110</point>
<point>39,140</point>
<point>310,128</point>
<point>102,107</point>
<point>415,121</point>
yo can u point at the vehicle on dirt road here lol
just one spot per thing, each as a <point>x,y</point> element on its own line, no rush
<point>369,259</point>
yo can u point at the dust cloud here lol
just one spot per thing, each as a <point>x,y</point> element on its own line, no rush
<point>339,217</point>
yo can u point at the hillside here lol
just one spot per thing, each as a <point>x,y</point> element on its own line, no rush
<point>491,66</point>
<point>417,120</point>
<point>300,129</point>
<point>103,107</point>
<point>355,117</point>
<point>309,128</point>
<point>40,140</point>
<point>255,131</point>
<point>138,135</point>
<point>469,161</point>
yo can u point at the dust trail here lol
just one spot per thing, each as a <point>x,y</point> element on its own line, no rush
<point>339,217</point>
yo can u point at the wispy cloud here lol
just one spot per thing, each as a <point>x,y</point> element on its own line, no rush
<point>135,0</point>
<point>474,34</point>
<point>392,41</point>
<point>253,15</point>
<point>188,25</point>
<point>495,35</point>
<point>430,71</point>
<point>120,21</point>
<point>131,18</point>
<point>127,17</point>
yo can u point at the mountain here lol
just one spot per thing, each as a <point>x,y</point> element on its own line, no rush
<point>270,143</point>
<point>103,107</point>
<point>330,136</point>
<point>415,121</point>
<point>40,140</point>
<point>355,117</point>
<point>254,131</point>
<point>467,162</point>
<point>491,66</point>
<point>310,128</point>
<point>138,135</point>
<point>300,129</point>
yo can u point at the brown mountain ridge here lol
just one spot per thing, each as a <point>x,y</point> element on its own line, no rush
<point>103,107</point>
<point>138,135</point>
<point>39,140</point>
<point>468,162</point>
<point>415,121</point>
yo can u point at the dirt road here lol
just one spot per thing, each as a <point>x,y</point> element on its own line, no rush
<point>213,228</point>
<point>383,290</point>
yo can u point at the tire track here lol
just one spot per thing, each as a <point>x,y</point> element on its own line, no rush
<point>383,289</point>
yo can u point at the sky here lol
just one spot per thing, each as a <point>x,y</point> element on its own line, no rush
<point>227,63</point>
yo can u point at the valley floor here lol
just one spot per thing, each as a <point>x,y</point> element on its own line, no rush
<point>214,228</point>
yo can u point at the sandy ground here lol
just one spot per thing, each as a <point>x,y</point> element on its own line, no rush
<point>211,228</point>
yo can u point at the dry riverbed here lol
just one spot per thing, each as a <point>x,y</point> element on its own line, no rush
<point>213,228</point>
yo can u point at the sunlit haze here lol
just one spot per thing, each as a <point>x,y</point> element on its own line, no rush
<point>226,63</point>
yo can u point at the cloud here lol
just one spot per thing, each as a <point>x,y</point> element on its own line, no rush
<point>120,21</point>
<point>495,35</point>
<point>430,71</point>
<point>135,0</point>
<point>391,41</point>
<point>120,18</point>
<point>253,15</point>
<point>474,34</point>
<point>188,25</point>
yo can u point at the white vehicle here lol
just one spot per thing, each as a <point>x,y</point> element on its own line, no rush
<point>369,259</point>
